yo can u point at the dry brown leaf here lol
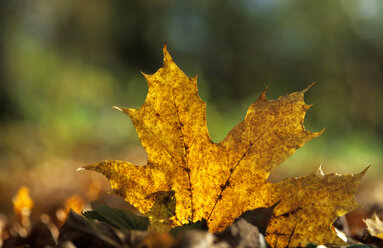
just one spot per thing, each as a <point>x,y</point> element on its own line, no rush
<point>375,226</point>
<point>188,177</point>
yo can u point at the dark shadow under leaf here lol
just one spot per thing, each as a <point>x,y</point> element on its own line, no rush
<point>119,218</point>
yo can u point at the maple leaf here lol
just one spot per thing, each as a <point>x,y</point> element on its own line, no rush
<point>188,177</point>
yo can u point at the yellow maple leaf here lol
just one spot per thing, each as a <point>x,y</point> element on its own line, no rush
<point>188,177</point>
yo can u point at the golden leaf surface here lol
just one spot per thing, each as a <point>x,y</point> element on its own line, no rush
<point>188,177</point>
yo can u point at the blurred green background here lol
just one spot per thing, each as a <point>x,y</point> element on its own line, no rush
<point>65,63</point>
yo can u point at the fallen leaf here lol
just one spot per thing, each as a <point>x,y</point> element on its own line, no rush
<point>119,218</point>
<point>75,202</point>
<point>259,217</point>
<point>85,233</point>
<point>241,234</point>
<point>375,226</point>
<point>22,205</point>
<point>199,225</point>
<point>188,177</point>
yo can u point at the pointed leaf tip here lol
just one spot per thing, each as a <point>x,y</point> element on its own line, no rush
<point>263,94</point>
<point>363,172</point>
<point>308,106</point>
<point>144,74</point>
<point>167,57</point>
<point>308,87</point>
<point>147,78</point>
<point>129,111</point>
<point>316,134</point>
<point>319,171</point>
<point>118,108</point>
<point>86,167</point>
